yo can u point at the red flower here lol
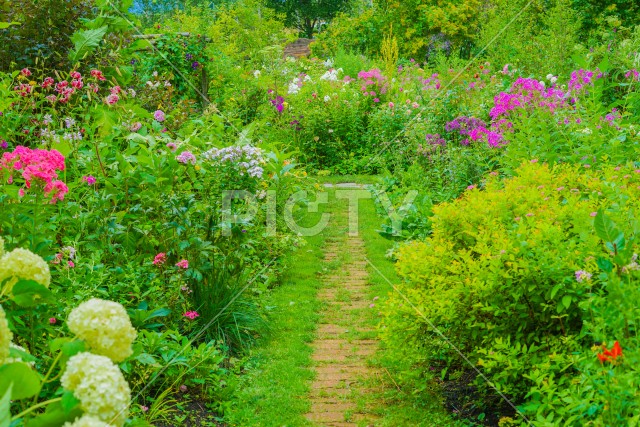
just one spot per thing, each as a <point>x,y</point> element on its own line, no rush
<point>610,355</point>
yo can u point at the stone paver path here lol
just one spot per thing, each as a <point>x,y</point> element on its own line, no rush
<point>342,347</point>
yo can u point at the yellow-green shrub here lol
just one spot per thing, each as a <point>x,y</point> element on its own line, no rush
<point>498,275</point>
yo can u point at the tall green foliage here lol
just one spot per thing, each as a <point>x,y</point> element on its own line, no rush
<point>43,33</point>
<point>306,15</point>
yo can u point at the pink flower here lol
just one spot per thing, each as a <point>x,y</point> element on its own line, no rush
<point>98,75</point>
<point>391,105</point>
<point>172,146</point>
<point>71,264</point>
<point>183,264</point>
<point>144,408</point>
<point>160,259</point>
<point>186,157</point>
<point>48,82</point>
<point>191,315</point>
<point>76,75</point>
<point>471,187</point>
<point>159,116</point>
<point>21,192</point>
<point>89,179</point>
<point>136,127</point>
<point>183,388</point>
<point>112,99</point>
<point>52,320</point>
<point>593,214</point>
<point>534,160</point>
<point>25,72</point>
<point>529,214</point>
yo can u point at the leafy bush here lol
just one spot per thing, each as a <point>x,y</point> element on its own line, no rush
<point>507,276</point>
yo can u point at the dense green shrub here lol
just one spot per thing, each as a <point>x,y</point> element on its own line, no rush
<point>499,278</point>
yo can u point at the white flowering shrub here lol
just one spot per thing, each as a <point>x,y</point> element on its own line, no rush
<point>100,387</point>
<point>105,326</point>
<point>22,264</point>
<point>96,393</point>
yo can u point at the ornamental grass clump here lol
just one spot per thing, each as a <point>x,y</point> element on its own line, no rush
<point>105,326</point>
<point>99,386</point>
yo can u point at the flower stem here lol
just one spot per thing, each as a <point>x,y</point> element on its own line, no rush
<point>34,407</point>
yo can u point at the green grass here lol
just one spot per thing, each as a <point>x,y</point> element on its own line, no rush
<point>273,390</point>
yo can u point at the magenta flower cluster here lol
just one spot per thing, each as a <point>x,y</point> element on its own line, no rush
<point>374,83</point>
<point>39,168</point>
<point>465,126</point>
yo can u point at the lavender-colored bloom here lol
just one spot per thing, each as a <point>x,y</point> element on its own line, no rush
<point>189,56</point>
<point>186,157</point>
<point>4,144</point>
<point>435,139</point>
<point>159,116</point>
<point>195,65</point>
<point>582,275</point>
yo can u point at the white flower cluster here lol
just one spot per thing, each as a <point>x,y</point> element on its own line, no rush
<point>296,84</point>
<point>99,386</point>
<point>105,326</point>
<point>87,421</point>
<point>553,79</point>
<point>247,159</point>
<point>23,264</point>
<point>331,75</point>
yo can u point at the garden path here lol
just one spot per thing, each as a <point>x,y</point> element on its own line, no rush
<point>343,343</point>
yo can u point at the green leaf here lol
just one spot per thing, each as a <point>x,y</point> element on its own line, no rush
<point>54,416</point>
<point>26,381</point>
<point>604,264</point>
<point>29,293</point>
<point>85,42</point>
<point>5,404</point>
<point>605,228</point>
<point>566,301</point>
<point>5,25</point>
<point>69,402</point>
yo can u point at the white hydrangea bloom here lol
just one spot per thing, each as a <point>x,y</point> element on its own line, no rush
<point>87,421</point>
<point>5,337</point>
<point>105,326</point>
<point>23,264</point>
<point>99,386</point>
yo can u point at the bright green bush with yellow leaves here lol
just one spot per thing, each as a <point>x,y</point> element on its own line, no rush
<point>505,276</point>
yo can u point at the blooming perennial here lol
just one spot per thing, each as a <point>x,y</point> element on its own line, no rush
<point>99,386</point>
<point>105,326</point>
<point>160,259</point>
<point>191,315</point>
<point>248,160</point>
<point>610,355</point>
<point>183,264</point>
<point>23,264</point>
<point>186,157</point>
<point>39,167</point>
